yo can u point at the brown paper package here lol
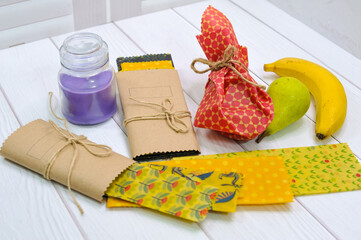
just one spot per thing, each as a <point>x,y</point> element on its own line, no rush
<point>151,139</point>
<point>32,146</point>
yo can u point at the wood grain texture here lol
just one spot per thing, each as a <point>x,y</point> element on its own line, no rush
<point>149,37</point>
<point>30,205</point>
<point>281,222</point>
<point>10,2</point>
<point>324,16</point>
<point>120,9</point>
<point>16,15</point>
<point>29,97</point>
<point>327,52</point>
<point>36,31</point>
<point>89,13</point>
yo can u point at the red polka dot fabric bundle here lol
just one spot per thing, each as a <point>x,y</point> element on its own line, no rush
<point>230,105</point>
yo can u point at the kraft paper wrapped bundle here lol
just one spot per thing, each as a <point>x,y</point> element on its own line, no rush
<point>233,103</point>
<point>34,145</point>
<point>156,116</point>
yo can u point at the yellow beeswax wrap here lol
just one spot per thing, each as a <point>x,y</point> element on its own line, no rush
<point>132,66</point>
<point>265,178</point>
<point>228,184</point>
<point>151,61</point>
<point>314,169</point>
<point>117,202</point>
<point>181,197</point>
<point>225,200</point>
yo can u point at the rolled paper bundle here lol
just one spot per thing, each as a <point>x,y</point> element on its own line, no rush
<point>50,151</point>
<point>233,103</point>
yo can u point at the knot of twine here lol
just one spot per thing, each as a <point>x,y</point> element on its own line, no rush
<point>73,140</point>
<point>172,117</point>
<point>225,62</point>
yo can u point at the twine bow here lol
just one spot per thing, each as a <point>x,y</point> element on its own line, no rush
<point>73,140</point>
<point>171,117</point>
<point>225,62</point>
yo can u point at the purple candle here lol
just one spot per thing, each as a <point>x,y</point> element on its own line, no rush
<point>86,80</point>
<point>88,100</point>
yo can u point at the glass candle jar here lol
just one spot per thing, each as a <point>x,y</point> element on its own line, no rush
<point>86,80</point>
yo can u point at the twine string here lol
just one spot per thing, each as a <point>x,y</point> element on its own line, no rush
<point>227,61</point>
<point>173,118</point>
<point>73,140</point>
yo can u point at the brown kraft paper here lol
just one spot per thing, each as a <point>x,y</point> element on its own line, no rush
<point>149,138</point>
<point>32,146</point>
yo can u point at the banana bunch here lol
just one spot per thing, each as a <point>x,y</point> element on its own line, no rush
<point>327,90</point>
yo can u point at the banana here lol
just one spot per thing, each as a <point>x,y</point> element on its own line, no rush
<point>327,90</point>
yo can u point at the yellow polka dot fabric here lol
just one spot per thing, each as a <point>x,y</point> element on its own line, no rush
<point>265,178</point>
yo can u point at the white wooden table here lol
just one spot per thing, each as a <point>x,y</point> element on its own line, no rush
<point>33,208</point>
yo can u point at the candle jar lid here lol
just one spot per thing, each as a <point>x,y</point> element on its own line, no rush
<point>83,52</point>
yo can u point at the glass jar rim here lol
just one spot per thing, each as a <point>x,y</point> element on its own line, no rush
<point>83,51</point>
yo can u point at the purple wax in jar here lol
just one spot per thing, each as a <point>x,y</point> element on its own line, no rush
<point>88,100</point>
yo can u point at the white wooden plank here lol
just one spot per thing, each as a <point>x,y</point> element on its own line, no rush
<point>30,206</point>
<point>147,31</point>
<point>29,97</point>
<point>88,13</point>
<point>267,218</point>
<point>36,31</point>
<point>120,9</point>
<point>14,15</point>
<point>338,60</point>
<point>9,2</point>
<point>158,5</point>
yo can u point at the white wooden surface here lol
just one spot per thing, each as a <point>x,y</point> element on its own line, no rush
<point>33,208</point>
<point>324,16</point>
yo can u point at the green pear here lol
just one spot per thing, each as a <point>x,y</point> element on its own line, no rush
<point>291,100</point>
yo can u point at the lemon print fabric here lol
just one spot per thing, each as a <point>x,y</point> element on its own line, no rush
<point>312,170</point>
<point>265,178</point>
<point>188,198</point>
<point>225,200</point>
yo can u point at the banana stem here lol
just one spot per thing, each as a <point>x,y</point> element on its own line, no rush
<point>268,67</point>
<point>261,136</point>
